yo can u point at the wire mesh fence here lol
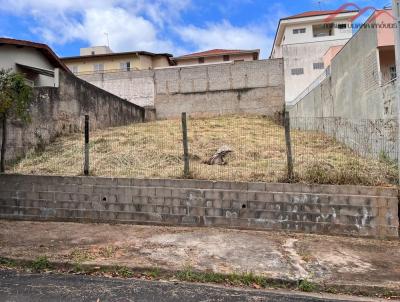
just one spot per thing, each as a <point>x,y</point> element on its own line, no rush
<point>332,151</point>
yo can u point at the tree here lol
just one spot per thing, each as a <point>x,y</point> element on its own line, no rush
<point>15,100</point>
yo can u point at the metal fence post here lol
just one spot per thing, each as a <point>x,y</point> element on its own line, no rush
<point>186,171</point>
<point>288,147</point>
<point>86,163</point>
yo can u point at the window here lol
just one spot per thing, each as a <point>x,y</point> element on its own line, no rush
<point>75,69</point>
<point>297,31</point>
<point>255,56</point>
<point>322,30</point>
<point>393,73</point>
<point>297,71</point>
<point>125,66</point>
<point>226,57</point>
<point>201,60</point>
<point>342,26</point>
<point>319,65</point>
<point>98,68</point>
<point>93,53</point>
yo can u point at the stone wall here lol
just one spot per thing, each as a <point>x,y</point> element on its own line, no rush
<point>60,111</point>
<point>235,87</point>
<point>343,210</point>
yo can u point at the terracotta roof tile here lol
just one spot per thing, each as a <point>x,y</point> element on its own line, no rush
<point>213,52</point>
<point>316,13</point>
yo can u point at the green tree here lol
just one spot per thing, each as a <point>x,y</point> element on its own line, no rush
<point>15,99</point>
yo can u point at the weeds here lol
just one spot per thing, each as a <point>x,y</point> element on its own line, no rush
<point>153,273</point>
<point>40,264</point>
<point>307,286</point>
<point>124,272</point>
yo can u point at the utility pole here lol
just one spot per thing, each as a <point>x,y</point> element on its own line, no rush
<point>396,13</point>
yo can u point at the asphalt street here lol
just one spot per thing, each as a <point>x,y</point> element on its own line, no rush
<point>17,287</point>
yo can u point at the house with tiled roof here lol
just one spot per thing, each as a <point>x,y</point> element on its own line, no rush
<point>217,56</point>
<point>39,64</point>
<point>307,42</point>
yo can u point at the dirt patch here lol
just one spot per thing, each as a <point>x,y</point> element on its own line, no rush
<point>324,259</point>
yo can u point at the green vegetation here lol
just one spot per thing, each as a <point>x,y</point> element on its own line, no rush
<point>153,273</point>
<point>307,286</point>
<point>15,99</point>
<point>40,264</point>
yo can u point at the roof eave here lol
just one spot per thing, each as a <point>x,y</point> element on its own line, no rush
<point>188,57</point>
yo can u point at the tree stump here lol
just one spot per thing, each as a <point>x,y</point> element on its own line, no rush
<point>219,157</point>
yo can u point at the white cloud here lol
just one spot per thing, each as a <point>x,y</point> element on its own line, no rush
<point>225,35</point>
<point>130,24</point>
<point>134,25</point>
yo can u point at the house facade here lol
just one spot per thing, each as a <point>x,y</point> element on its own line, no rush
<point>39,64</point>
<point>217,56</point>
<point>101,59</point>
<point>303,40</point>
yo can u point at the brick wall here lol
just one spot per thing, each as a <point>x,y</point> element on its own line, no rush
<point>343,210</point>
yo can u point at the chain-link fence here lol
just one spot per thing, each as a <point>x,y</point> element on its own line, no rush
<point>251,148</point>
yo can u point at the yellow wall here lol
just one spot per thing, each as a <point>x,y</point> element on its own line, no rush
<point>112,63</point>
<point>86,65</point>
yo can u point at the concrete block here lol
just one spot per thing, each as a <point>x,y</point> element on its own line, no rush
<point>196,211</point>
<point>212,212</point>
<point>256,186</point>
<point>163,192</point>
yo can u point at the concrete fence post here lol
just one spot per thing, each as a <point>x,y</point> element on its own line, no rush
<point>186,171</point>
<point>86,160</point>
<point>288,147</point>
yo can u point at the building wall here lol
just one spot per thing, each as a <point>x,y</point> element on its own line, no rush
<point>146,62</point>
<point>304,56</point>
<point>60,111</point>
<point>112,63</point>
<point>387,58</point>
<point>332,210</point>
<point>330,54</point>
<point>385,34</point>
<point>307,37</point>
<point>10,55</point>
<point>240,87</point>
<point>160,61</point>
<point>215,59</point>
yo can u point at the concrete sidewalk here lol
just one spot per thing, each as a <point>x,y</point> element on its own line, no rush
<point>322,259</point>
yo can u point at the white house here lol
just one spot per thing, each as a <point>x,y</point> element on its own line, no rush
<point>303,40</point>
<point>39,64</point>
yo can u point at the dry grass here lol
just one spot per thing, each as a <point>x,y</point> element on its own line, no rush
<point>155,150</point>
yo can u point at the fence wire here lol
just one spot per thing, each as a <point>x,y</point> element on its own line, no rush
<point>325,150</point>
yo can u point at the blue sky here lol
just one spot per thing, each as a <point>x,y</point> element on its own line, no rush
<point>174,26</point>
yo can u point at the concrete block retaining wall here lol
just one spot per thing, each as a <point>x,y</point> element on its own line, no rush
<point>342,210</point>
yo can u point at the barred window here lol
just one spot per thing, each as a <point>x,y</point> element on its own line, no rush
<point>319,65</point>
<point>297,71</point>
